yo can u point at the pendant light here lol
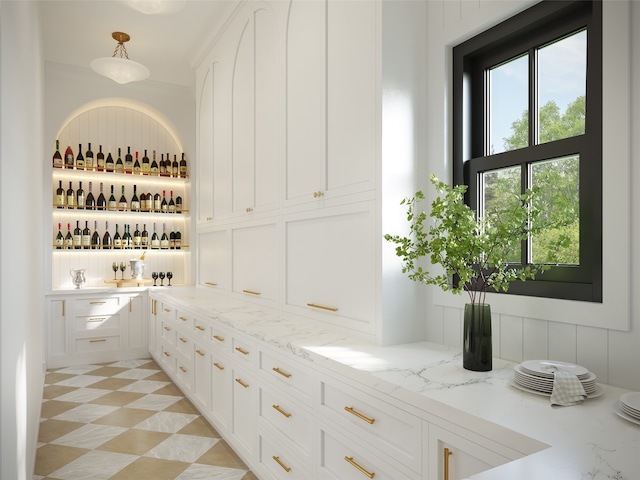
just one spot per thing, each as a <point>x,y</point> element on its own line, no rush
<point>118,67</point>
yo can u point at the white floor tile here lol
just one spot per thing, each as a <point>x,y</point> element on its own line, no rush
<point>143,386</point>
<point>154,402</point>
<point>182,448</point>
<point>86,413</point>
<point>79,369</point>
<point>89,436</point>
<point>130,363</point>
<point>81,381</point>
<point>136,373</point>
<point>209,472</point>
<point>166,422</point>
<point>83,395</point>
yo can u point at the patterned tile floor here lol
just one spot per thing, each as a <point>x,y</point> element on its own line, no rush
<point>127,420</point>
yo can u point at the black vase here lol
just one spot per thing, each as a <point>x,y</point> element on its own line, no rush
<point>476,345</point>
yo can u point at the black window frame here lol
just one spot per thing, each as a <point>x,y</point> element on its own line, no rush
<point>535,27</point>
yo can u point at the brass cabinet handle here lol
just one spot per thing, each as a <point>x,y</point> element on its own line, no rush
<point>318,194</point>
<point>167,310</point>
<point>211,283</point>
<point>63,305</point>
<point>362,469</point>
<point>167,328</point>
<point>97,319</point>
<point>322,307</point>
<point>184,370</point>
<point>279,462</point>
<point>183,340</point>
<point>166,354</point>
<point>369,420</point>
<point>97,303</point>
<point>130,302</point>
<point>200,352</point>
<point>200,327</point>
<point>184,319</point>
<point>98,341</point>
<point>219,338</point>
<point>218,366</point>
<point>284,374</point>
<point>242,350</point>
<point>447,453</point>
<point>280,410</point>
<point>245,385</point>
<point>153,306</point>
<point>250,292</point>
<point>249,209</point>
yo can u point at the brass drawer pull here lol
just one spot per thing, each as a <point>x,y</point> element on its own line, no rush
<point>447,453</point>
<point>250,292</point>
<point>219,338</point>
<point>98,341</point>
<point>167,328</point>
<point>318,194</point>
<point>183,340</point>
<point>166,354</point>
<point>249,209</point>
<point>211,283</point>
<point>360,416</point>
<point>280,410</point>
<point>322,307</point>
<point>63,307</point>
<point>184,370</point>
<point>200,352</point>
<point>284,374</point>
<point>200,327</point>
<point>245,385</point>
<point>218,366</point>
<point>279,462</point>
<point>242,350</point>
<point>167,310</point>
<point>184,319</point>
<point>97,303</point>
<point>97,319</point>
<point>362,469</point>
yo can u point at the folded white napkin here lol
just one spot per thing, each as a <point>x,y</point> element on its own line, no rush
<point>567,389</point>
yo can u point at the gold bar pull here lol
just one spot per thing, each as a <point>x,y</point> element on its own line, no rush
<point>250,292</point>
<point>369,420</point>
<point>218,366</point>
<point>63,305</point>
<point>284,374</point>
<point>166,354</point>
<point>219,338</point>
<point>242,383</point>
<point>97,303</point>
<point>98,341</point>
<point>322,307</point>
<point>199,327</point>
<point>279,462</point>
<point>200,352</point>
<point>362,469</point>
<point>167,310</point>
<point>447,454</point>
<point>242,350</point>
<point>280,410</point>
<point>153,306</point>
<point>97,319</point>
<point>183,340</point>
<point>167,328</point>
<point>211,283</point>
<point>249,209</point>
<point>184,319</point>
<point>130,302</point>
<point>184,370</point>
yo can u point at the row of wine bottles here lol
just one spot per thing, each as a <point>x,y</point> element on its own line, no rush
<point>78,199</point>
<point>81,238</point>
<point>164,168</point>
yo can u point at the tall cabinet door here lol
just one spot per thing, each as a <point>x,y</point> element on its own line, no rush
<point>205,149</point>
<point>213,259</point>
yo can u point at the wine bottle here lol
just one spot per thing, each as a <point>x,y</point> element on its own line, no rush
<point>175,167</point>
<point>109,166</point>
<point>154,169</point>
<point>80,197</point>
<point>135,201</point>
<point>123,204</point>
<point>155,240</point>
<point>144,237</point>
<point>90,201</point>
<point>137,168</point>
<point>71,197</point>
<point>112,205</point>
<point>183,167</point>
<point>157,203</point>
<point>146,167</point>
<point>178,240</point>
<point>117,240</point>
<point>101,204</point>
<point>164,206</point>
<point>100,160</point>
<point>161,166</point>
<point>88,159</point>
<point>95,238</point>
<point>106,239</point>
<point>178,204</point>
<point>119,164</point>
<point>68,158</point>
<point>172,240</point>
<point>167,166</point>
<point>80,158</point>
<point>86,236</point>
<point>164,241</point>
<point>68,238</point>
<point>126,238</point>
<point>128,161</point>
<point>144,207</point>
<point>57,158</point>
<point>59,240</point>
<point>61,196</point>
<point>137,238</point>
<point>77,236</point>
<point>172,205</point>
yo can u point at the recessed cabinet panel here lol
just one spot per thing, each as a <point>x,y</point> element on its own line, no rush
<point>205,147</point>
<point>213,259</point>
<point>317,281</point>
<point>255,262</point>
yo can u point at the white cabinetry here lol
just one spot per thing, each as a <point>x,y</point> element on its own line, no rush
<point>214,259</point>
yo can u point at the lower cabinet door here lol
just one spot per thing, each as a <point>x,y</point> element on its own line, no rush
<point>278,458</point>
<point>220,391</point>
<point>244,412</point>
<point>202,376</point>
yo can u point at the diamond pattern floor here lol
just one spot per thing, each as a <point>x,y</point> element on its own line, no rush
<point>127,420</point>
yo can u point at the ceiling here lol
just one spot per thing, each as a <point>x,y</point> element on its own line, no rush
<point>77,31</point>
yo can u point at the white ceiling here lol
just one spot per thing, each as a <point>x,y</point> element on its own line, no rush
<point>77,31</point>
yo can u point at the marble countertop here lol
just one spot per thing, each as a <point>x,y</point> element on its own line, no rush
<point>584,442</point>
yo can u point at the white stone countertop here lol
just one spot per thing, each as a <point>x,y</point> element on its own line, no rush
<point>585,442</point>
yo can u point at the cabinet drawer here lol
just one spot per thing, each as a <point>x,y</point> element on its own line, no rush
<point>168,333</point>
<point>96,322</point>
<point>184,321</point>
<point>184,371</point>
<point>287,374</point>
<point>289,417</point>
<point>166,312</point>
<point>220,339</point>
<point>243,350</point>
<point>201,329</point>
<point>281,461</point>
<point>107,343</point>
<point>386,427</point>
<point>168,357</point>
<point>184,345</point>
<point>342,458</point>
<point>97,305</point>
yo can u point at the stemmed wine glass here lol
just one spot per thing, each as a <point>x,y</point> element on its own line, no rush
<point>114,267</point>
<point>162,275</point>
<point>169,276</point>
<point>154,275</point>
<point>123,267</point>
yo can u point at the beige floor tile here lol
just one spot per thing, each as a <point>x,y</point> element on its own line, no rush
<point>151,365</point>
<point>181,406</point>
<point>50,458</point>
<point>125,417</point>
<point>117,399</point>
<point>52,377</point>
<point>134,442</point>
<point>52,429</point>
<point>222,455</point>
<point>158,377</point>
<point>112,383</point>
<point>55,407</point>
<point>151,468</point>
<point>170,389</point>
<point>249,476</point>
<point>54,391</point>
<point>108,371</point>
<point>201,428</point>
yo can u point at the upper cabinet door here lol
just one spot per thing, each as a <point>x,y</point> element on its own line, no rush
<point>205,149</point>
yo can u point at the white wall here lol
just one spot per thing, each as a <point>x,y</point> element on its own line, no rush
<point>21,280</point>
<point>603,337</point>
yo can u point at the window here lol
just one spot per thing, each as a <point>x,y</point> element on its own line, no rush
<point>527,111</point>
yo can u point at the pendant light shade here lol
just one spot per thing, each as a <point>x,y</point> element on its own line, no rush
<point>118,67</point>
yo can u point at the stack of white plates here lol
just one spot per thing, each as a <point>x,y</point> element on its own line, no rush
<point>630,405</point>
<point>537,376</point>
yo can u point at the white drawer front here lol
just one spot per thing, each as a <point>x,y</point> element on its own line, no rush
<point>201,329</point>
<point>168,333</point>
<point>97,305</point>
<point>184,345</point>
<point>243,350</point>
<point>184,320</point>
<point>288,375</point>
<point>94,323</point>
<point>220,339</point>
<point>281,462</point>
<point>168,357</point>
<point>108,343</point>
